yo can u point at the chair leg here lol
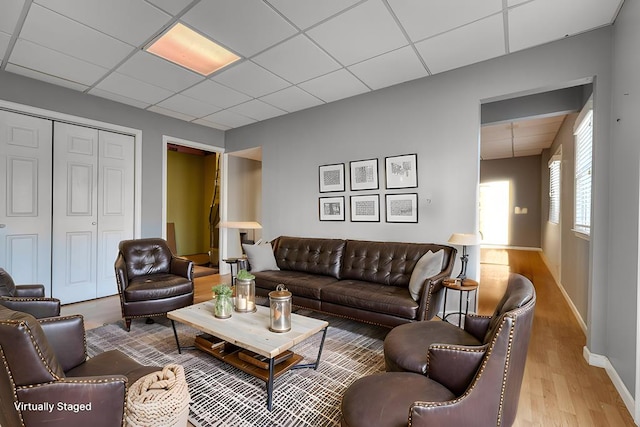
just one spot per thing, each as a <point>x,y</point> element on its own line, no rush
<point>127,324</point>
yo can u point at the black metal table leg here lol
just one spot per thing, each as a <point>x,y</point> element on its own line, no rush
<point>270,385</point>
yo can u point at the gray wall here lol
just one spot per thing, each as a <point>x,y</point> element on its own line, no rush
<point>523,173</point>
<point>22,90</point>
<point>438,117</point>
<point>244,189</point>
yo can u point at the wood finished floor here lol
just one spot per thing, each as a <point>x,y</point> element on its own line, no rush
<point>559,387</point>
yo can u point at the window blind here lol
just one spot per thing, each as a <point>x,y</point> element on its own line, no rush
<point>554,191</point>
<point>583,165</point>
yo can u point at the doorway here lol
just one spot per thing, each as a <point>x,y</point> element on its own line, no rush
<point>494,212</point>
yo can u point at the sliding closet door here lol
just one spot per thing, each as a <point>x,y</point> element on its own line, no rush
<point>115,204</point>
<point>25,192</point>
<point>75,217</point>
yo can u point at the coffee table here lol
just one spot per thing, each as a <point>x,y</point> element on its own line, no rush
<point>245,341</point>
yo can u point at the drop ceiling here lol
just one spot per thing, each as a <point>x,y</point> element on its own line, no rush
<point>295,54</point>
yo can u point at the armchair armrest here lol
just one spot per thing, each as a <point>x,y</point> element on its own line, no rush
<point>29,291</point>
<point>102,397</point>
<point>477,325</point>
<point>37,307</point>
<point>454,366</point>
<point>122,278</point>
<point>66,337</point>
<point>431,287</point>
<point>182,267</point>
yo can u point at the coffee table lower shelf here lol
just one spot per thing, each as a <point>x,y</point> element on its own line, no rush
<point>233,355</point>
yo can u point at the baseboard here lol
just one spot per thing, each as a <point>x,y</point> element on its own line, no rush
<point>572,306</point>
<point>601,361</point>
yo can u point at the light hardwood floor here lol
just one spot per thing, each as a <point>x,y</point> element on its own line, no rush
<point>559,387</point>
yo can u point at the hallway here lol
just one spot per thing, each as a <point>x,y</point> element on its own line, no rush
<point>559,388</point>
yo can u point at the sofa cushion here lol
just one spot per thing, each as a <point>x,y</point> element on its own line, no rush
<point>157,286</point>
<point>260,257</point>
<point>298,283</point>
<point>392,300</point>
<point>389,263</point>
<point>429,265</point>
<point>309,255</point>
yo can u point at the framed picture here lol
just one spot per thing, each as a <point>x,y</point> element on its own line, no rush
<point>402,207</point>
<point>364,175</point>
<point>402,171</point>
<point>365,208</point>
<point>332,178</point>
<point>332,208</point>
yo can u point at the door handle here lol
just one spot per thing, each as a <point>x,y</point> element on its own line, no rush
<point>94,223</point>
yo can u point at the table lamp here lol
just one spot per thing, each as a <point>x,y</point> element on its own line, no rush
<point>234,248</point>
<point>464,240</point>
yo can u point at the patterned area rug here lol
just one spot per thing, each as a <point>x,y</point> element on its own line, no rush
<point>225,396</point>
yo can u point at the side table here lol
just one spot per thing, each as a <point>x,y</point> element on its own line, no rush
<point>464,285</point>
<point>239,264</point>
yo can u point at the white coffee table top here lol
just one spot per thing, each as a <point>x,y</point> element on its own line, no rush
<point>248,330</point>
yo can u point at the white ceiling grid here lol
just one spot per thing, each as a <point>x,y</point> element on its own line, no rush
<point>295,54</point>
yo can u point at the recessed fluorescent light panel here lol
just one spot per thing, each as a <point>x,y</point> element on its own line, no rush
<point>183,46</point>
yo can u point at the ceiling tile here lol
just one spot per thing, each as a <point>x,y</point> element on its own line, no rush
<point>390,68</point>
<point>466,45</point>
<point>523,153</point>
<point>132,21</point>
<point>189,106</point>
<point>422,19</point>
<point>171,6</point>
<point>305,13</point>
<point>171,113</point>
<point>216,94</point>
<point>118,98</point>
<point>210,124</point>
<point>57,32</point>
<point>131,88</point>
<point>257,109</point>
<point>10,13</point>
<point>524,21</point>
<point>246,27</point>
<point>292,99</point>
<point>360,33</point>
<point>497,131</point>
<point>337,85</point>
<point>152,69</point>
<point>296,60</point>
<point>543,140</point>
<point>12,68</point>
<point>38,58</point>
<point>511,3</point>
<point>251,79</point>
<point>228,118</point>
<point>4,43</point>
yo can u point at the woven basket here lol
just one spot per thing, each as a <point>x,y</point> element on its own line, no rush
<point>159,399</point>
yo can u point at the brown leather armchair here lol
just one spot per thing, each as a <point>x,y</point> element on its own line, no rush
<point>464,384</point>
<point>27,298</point>
<point>151,280</point>
<point>45,363</point>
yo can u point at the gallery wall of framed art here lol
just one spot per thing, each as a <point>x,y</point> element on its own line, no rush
<point>400,172</point>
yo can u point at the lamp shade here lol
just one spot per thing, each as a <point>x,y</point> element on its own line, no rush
<point>464,239</point>
<point>249,225</point>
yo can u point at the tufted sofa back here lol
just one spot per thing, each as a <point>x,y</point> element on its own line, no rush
<point>146,256</point>
<point>311,255</point>
<point>388,263</point>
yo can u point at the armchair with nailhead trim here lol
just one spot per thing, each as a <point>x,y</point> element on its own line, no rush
<point>462,377</point>
<point>27,298</point>
<point>47,379</point>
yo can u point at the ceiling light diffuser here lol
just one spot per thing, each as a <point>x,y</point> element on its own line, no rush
<point>187,48</point>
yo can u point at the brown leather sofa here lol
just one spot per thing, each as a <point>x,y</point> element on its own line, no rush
<point>449,376</point>
<point>358,279</point>
<point>45,363</point>
<point>27,298</point>
<point>151,280</point>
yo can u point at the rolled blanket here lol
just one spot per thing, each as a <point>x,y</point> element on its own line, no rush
<point>159,399</point>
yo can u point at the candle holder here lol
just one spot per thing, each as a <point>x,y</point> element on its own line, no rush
<point>280,313</point>
<point>245,301</point>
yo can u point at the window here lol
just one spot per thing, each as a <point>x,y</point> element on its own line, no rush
<point>554,190</point>
<point>584,141</point>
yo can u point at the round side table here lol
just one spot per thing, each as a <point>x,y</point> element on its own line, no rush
<point>464,285</point>
<point>239,263</point>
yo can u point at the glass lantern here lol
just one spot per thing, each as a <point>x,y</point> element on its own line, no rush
<point>280,313</point>
<point>245,301</point>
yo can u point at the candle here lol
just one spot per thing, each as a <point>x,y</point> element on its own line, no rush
<point>250,305</point>
<point>241,303</point>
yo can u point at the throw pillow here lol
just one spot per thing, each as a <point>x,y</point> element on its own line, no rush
<point>260,257</point>
<point>427,266</point>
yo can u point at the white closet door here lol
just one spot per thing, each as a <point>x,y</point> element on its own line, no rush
<point>25,189</point>
<point>115,204</point>
<point>75,216</point>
